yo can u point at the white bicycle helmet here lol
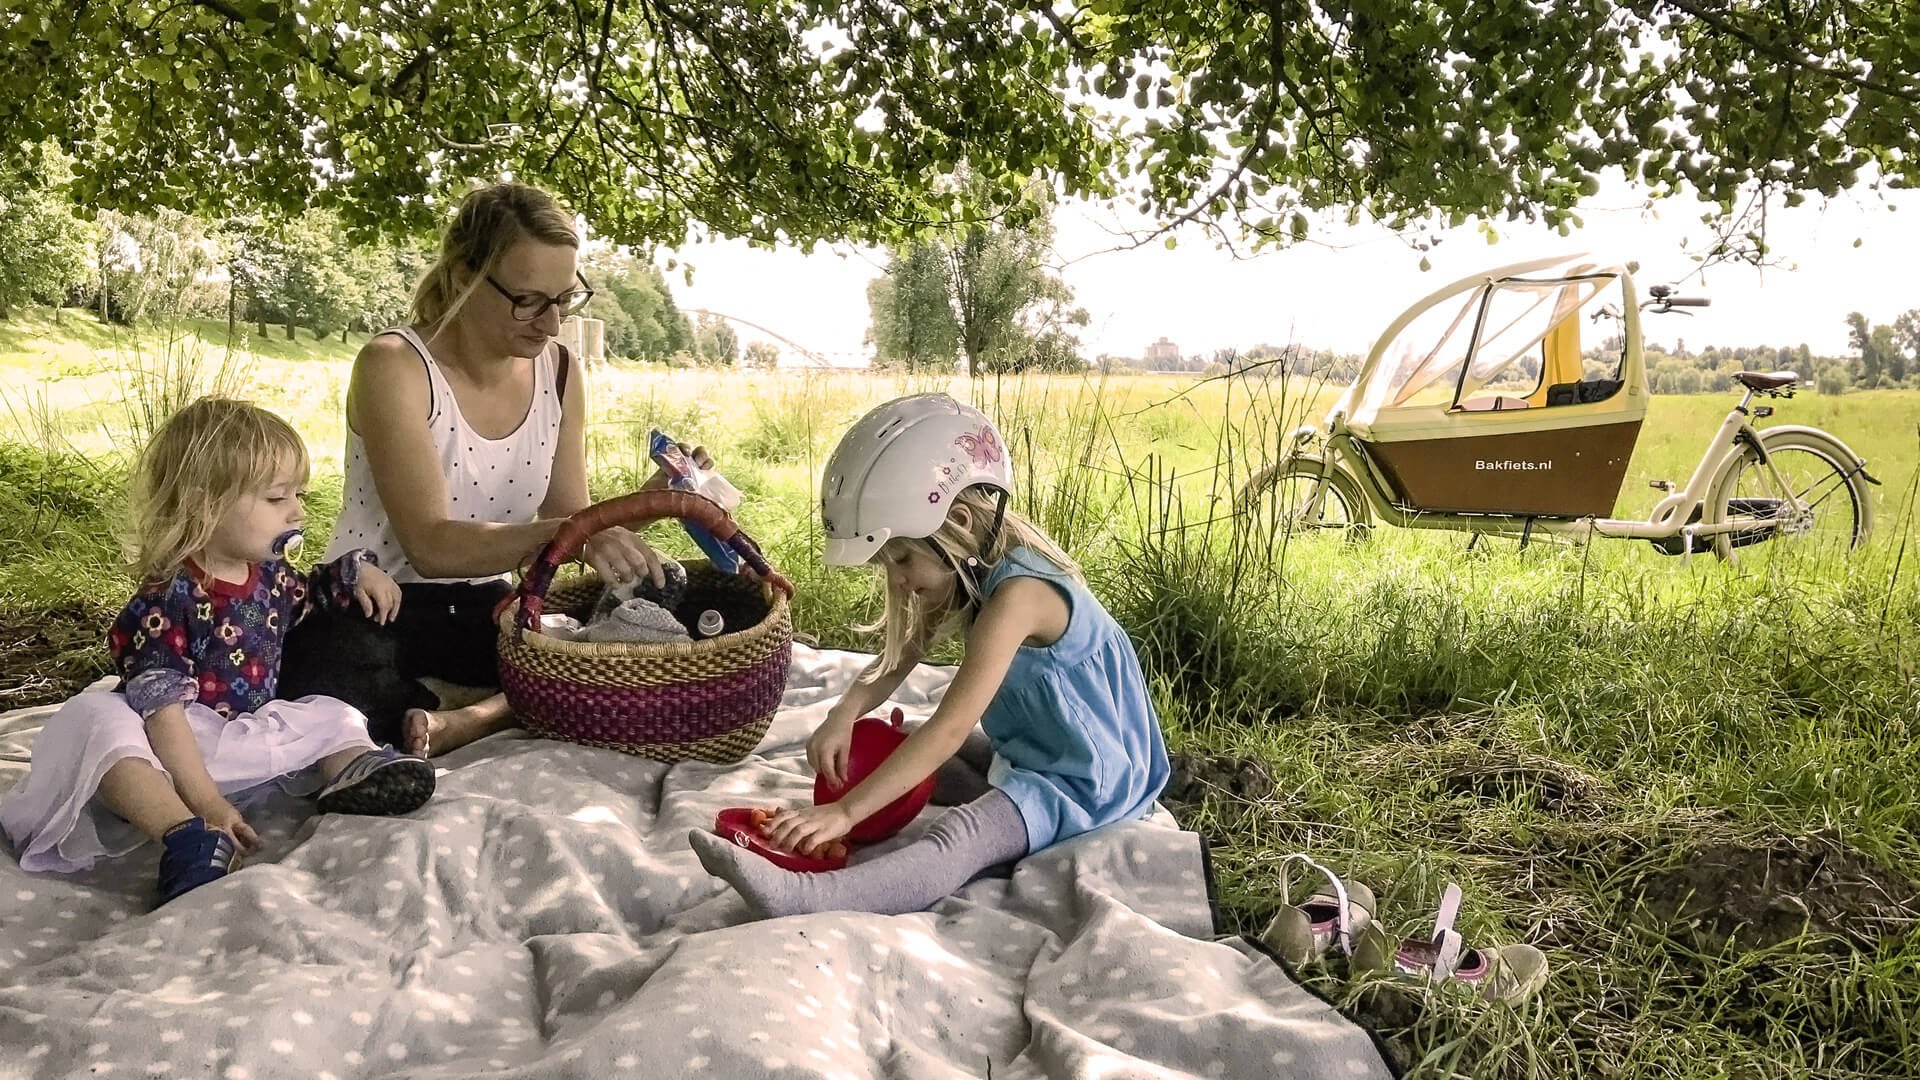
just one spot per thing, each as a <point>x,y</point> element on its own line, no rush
<point>896,471</point>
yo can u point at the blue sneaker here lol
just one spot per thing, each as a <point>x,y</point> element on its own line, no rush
<point>383,781</point>
<point>192,855</point>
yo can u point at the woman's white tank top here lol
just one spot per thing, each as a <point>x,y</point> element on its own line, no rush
<point>494,480</point>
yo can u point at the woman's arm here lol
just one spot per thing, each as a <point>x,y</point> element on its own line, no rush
<point>616,554</point>
<point>387,404</point>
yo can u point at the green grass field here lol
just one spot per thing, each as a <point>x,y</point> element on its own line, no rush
<point>1695,785</point>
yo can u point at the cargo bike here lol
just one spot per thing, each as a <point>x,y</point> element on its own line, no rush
<point>1478,410</point>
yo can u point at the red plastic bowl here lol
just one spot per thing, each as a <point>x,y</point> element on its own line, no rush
<point>736,824</point>
<point>873,740</point>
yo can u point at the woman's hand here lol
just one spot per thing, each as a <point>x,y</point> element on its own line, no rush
<point>810,830</point>
<point>220,814</point>
<point>620,557</point>
<point>377,594</point>
<point>696,454</point>
<point>827,750</point>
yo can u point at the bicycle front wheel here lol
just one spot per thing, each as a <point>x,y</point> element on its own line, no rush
<point>1281,499</point>
<point>1819,501</point>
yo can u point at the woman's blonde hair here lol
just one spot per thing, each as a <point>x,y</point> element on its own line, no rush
<point>909,621</point>
<point>490,221</point>
<point>199,464</point>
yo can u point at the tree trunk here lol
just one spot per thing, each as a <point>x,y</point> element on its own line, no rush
<point>289,329</point>
<point>230,308</point>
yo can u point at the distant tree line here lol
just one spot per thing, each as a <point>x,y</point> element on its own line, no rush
<point>308,272</point>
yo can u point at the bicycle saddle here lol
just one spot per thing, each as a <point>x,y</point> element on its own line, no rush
<point>1765,380</point>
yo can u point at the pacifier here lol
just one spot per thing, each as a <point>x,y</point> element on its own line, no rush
<point>287,543</point>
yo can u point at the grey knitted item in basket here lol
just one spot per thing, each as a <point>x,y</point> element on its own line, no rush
<point>637,620</point>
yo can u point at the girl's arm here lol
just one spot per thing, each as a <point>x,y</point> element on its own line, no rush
<point>387,404</point>
<point>863,697</point>
<point>1021,609</point>
<point>832,741</point>
<point>173,744</point>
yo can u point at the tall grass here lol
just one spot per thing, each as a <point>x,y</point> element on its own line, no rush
<point>1694,784</point>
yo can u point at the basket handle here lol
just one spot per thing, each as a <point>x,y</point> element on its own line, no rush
<point>634,510</point>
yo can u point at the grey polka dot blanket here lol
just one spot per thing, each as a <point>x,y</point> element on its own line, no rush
<point>543,916</point>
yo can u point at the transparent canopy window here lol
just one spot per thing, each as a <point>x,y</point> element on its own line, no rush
<point>1501,345</point>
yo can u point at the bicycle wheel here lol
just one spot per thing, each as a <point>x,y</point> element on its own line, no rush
<point>1276,500</point>
<point>1823,505</point>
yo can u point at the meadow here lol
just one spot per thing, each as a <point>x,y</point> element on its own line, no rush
<point>1694,784</point>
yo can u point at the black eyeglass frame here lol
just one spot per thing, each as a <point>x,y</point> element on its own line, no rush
<point>524,300</point>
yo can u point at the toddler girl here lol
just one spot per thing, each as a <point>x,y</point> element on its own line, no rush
<point>216,501</point>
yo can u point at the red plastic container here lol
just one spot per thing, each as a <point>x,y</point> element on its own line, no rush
<point>736,824</point>
<point>873,740</point>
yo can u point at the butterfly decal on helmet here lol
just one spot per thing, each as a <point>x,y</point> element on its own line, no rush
<point>983,446</point>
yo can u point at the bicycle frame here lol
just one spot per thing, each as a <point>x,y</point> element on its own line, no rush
<point>1673,516</point>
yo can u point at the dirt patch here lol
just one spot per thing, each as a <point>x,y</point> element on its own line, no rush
<point>49,656</point>
<point>1496,773</point>
<point>1192,777</point>
<point>1761,894</point>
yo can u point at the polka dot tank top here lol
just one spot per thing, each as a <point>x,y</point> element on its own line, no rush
<point>494,480</point>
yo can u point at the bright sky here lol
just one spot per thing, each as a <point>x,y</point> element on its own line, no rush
<point>1341,297</point>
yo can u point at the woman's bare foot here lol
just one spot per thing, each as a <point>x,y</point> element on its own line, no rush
<point>431,732</point>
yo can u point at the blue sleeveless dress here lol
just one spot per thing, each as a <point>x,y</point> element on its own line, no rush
<point>1076,742</point>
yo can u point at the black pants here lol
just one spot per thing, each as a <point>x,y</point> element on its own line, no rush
<point>444,631</point>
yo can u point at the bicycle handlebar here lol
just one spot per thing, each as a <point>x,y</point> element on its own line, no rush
<point>1688,301</point>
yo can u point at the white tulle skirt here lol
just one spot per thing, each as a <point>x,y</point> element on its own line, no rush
<point>58,825</point>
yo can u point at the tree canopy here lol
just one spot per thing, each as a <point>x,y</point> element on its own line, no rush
<point>800,120</point>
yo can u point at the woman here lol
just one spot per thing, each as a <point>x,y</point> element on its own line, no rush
<point>466,450</point>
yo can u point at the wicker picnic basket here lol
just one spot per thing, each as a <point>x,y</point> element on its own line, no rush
<point>708,700</point>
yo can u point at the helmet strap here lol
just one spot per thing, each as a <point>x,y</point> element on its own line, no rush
<point>973,569</point>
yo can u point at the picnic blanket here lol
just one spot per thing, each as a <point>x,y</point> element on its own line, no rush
<point>544,916</point>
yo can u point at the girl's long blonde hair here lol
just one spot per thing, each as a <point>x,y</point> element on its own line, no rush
<point>490,221</point>
<point>199,464</point>
<point>910,622</point>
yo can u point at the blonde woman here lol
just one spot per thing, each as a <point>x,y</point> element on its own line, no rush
<point>465,451</point>
<point>196,719</point>
<point>918,488</point>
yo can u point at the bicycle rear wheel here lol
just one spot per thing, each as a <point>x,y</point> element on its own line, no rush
<point>1820,503</point>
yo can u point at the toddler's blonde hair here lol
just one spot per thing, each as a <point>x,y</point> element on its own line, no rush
<point>912,622</point>
<point>199,464</point>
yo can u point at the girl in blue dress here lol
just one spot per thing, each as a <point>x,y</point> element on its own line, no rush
<point>919,488</point>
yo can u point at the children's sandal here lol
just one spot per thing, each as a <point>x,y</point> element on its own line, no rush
<point>1504,973</point>
<point>1303,932</point>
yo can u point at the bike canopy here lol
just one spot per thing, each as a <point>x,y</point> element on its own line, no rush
<point>1504,350</point>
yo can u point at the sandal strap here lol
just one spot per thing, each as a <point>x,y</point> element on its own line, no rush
<point>1339,891</point>
<point>1451,945</point>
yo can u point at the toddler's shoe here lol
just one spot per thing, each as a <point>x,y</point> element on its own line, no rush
<point>382,781</point>
<point>1505,973</point>
<point>1343,912</point>
<point>191,855</point>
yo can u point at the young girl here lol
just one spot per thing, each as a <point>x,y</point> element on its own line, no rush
<point>216,501</point>
<point>919,487</point>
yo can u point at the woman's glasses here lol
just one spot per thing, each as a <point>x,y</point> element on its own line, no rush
<point>530,306</point>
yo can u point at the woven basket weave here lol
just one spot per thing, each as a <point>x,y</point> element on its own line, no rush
<point>708,700</point>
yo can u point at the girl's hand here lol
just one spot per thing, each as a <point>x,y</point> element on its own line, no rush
<point>828,748</point>
<point>377,594</point>
<point>810,830</point>
<point>620,557</point>
<point>221,815</point>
